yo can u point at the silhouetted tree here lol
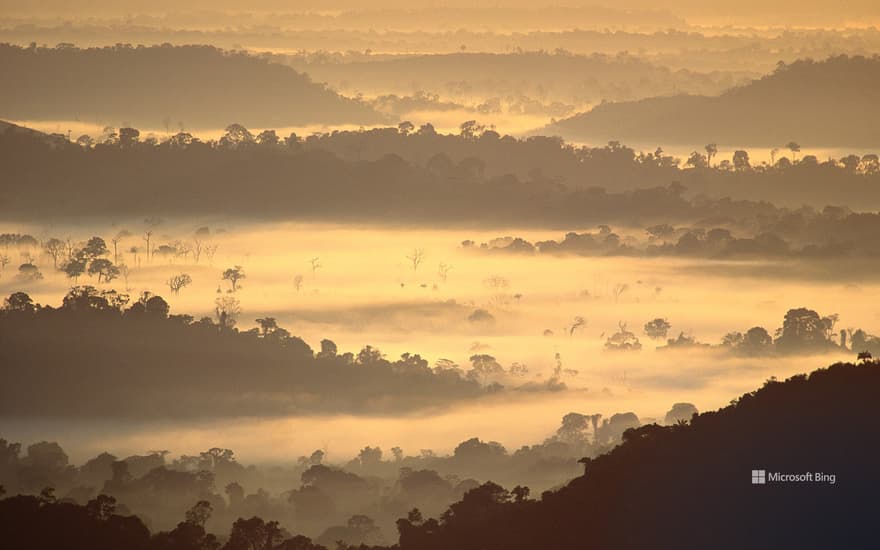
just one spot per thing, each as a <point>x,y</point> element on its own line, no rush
<point>55,248</point>
<point>658,328</point>
<point>179,281</point>
<point>711,151</point>
<point>233,275</point>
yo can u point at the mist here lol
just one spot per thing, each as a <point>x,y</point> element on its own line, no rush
<point>419,277</point>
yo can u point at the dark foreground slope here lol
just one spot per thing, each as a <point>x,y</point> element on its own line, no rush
<point>165,86</point>
<point>690,486</point>
<point>817,104</point>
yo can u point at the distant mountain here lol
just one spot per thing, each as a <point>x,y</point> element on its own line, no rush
<point>544,76</point>
<point>164,86</point>
<point>699,486</point>
<point>831,103</point>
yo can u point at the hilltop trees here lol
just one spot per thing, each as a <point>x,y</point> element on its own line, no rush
<point>803,329</point>
<point>623,340</point>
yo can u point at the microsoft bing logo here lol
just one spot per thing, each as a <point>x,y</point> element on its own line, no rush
<point>759,477</point>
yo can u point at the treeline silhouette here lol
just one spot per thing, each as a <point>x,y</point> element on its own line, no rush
<point>831,234</point>
<point>165,87</point>
<point>633,496</point>
<point>317,497</point>
<point>804,331</point>
<point>402,175</point>
<point>828,103</point>
<point>415,31</point>
<point>103,353</point>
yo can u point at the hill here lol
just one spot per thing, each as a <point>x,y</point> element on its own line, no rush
<point>830,103</point>
<point>545,77</point>
<point>165,86</point>
<point>92,356</point>
<point>690,486</point>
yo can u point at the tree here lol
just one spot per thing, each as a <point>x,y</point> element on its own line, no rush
<point>125,272</point>
<point>578,323</point>
<point>471,129</point>
<point>741,161</point>
<point>850,163</point>
<point>234,275</point>
<point>416,257</point>
<point>520,493</point>
<point>4,261</point>
<point>267,325</point>
<point>253,534</point>
<point>85,141</point>
<point>697,160</point>
<point>227,309</point>
<point>55,249</point>
<point>711,151</point>
<point>870,164</point>
<point>95,248</point>
<point>181,140</point>
<point>153,306</point>
<point>623,340</point>
<point>20,302</point>
<point>210,250</point>
<point>794,148</point>
<point>865,357</point>
<point>328,349</point>
<point>483,367</point>
<point>443,271</point>
<point>756,339</point>
<point>147,235</point>
<point>316,264</point>
<point>128,137</point>
<point>101,507</point>
<point>298,282</point>
<point>802,329</point>
<point>268,138</point>
<point>178,282</point>
<point>104,269</point>
<point>196,249</point>
<point>200,513</point>
<point>236,136</point>
<point>74,267</point>
<point>658,328</point>
<point>29,272</point>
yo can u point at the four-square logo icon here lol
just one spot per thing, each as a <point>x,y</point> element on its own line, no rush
<point>759,477</point>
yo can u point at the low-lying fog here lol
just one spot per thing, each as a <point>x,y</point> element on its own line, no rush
<point>365,290</point>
